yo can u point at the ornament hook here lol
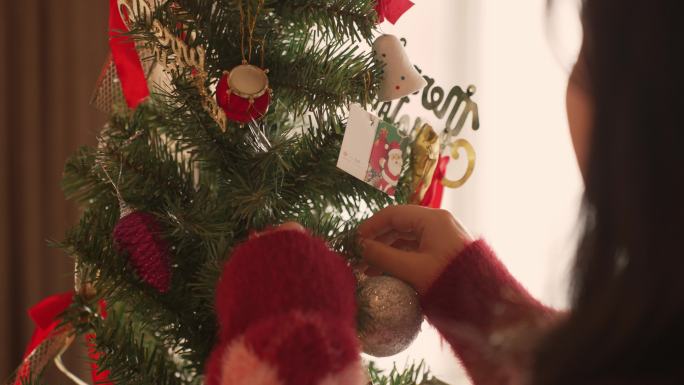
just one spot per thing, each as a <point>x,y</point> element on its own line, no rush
<point>123,207</point>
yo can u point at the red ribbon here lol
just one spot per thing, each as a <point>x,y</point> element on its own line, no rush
<point>433,196</point>
<point>392,9</point>
<point>45,315</point>
<point>126,59</point>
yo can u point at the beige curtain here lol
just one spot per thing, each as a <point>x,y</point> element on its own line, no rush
<point>51,52</point>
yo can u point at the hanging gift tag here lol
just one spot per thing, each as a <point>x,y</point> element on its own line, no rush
<point>358,142</point>
<point>372,150</point>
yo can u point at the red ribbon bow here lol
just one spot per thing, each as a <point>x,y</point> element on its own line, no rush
<point>45,315</point>
<point>392,9</point>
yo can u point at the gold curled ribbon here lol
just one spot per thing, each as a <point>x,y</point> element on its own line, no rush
<point>470,151</point>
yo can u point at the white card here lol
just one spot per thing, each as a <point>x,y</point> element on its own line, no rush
<point>358,142</point>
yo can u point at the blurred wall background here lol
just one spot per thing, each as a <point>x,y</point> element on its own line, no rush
<point>51,53</point>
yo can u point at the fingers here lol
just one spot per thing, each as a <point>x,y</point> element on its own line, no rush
<point>291,226</point>
<point>399,263</point>
<point>406,245</point>
<point>404,219</point>
<point>367,269</point>
<point>393,236</point>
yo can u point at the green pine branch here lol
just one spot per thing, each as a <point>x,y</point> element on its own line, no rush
<point>414,374</point>
<point>338,19</point>
<point>320,75</point>
<point>134,354</point>
<point>311,69</point>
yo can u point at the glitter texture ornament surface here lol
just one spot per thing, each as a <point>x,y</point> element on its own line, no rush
<point>389,315</point>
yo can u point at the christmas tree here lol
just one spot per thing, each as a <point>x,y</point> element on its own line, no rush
<point>227,118</point>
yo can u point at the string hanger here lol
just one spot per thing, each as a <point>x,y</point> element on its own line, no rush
<point>124,208</point>
<point>249,25</point>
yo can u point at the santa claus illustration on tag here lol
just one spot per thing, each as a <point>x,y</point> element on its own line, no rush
<point>391,169</point>
<point>386,159</point>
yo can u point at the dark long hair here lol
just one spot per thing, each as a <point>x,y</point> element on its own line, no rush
<point>627,321</point>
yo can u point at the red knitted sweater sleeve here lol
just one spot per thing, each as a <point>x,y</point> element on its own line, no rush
<point>488,318</point>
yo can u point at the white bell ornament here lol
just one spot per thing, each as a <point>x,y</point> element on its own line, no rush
<point>400,78</point>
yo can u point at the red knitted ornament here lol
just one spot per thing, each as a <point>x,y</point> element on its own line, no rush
<point>287,315</point>
<point>137,234</point>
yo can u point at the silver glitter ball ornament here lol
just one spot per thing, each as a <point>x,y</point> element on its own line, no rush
<point>389,315</point>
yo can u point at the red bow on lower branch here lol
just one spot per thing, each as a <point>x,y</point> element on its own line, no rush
<point>392,9</point>
<point>49,339</point>
<point>44,315</point>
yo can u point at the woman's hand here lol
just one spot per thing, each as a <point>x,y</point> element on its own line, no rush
<point>412,243</point>
<point>290,226</point>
